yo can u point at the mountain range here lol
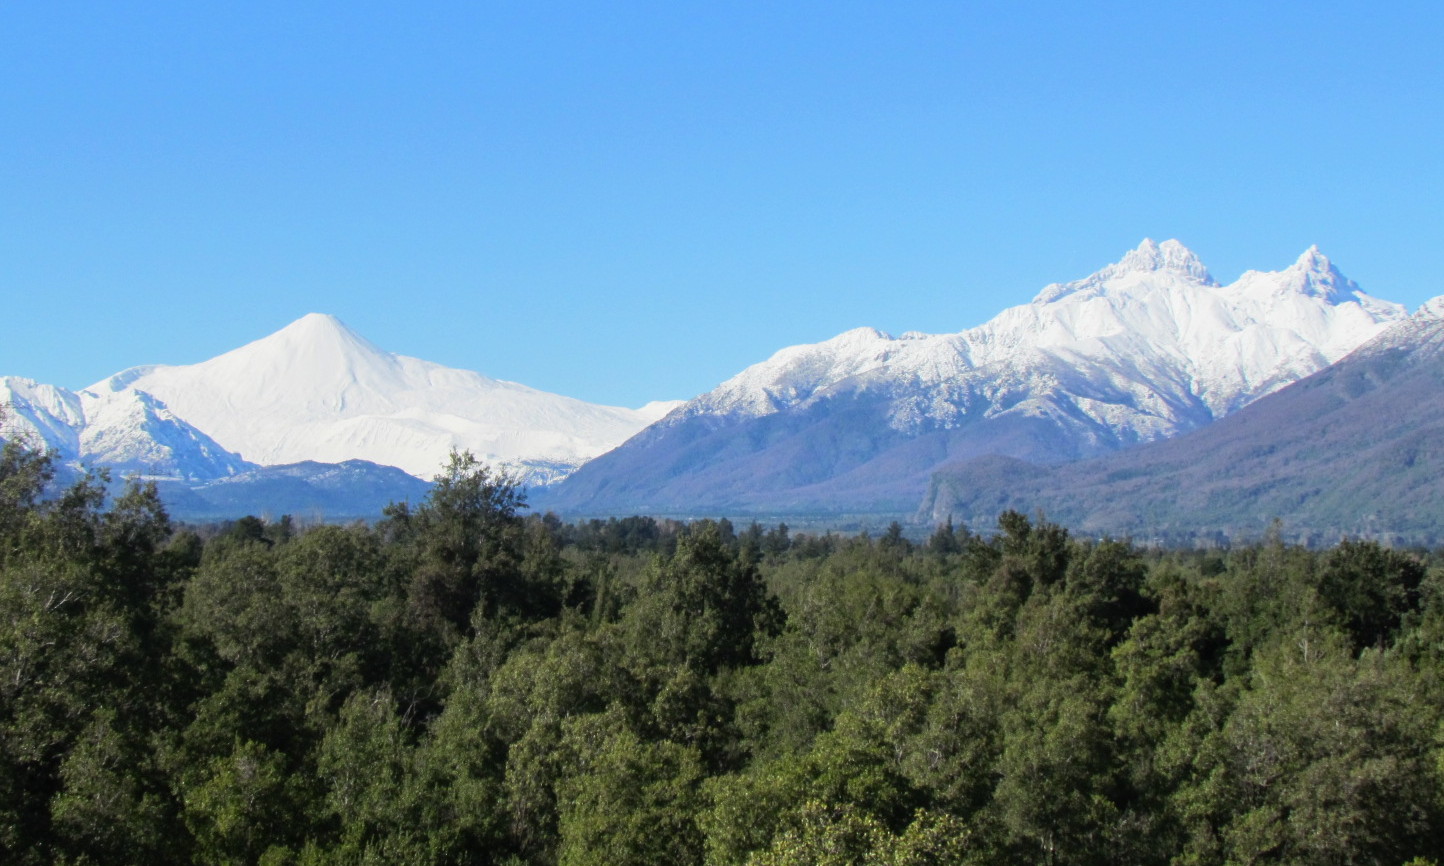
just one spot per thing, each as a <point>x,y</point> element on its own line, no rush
<point>1145,397</point>
<point>1144,349</point>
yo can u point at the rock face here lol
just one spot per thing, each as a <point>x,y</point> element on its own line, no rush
<point>1355,449</point>
<point>1144,349</point>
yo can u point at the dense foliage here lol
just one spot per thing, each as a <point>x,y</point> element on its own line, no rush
<point>460,683</point>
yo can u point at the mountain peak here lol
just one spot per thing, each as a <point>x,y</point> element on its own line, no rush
<point>1315,276</point>
<point>1311,258</point>
<point>316,390</point>
<point>1150,257</point>
<point>318,320</point>
<point>317,336</point>
<point>313,325</point>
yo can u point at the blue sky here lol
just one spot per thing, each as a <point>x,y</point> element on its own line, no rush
<point>633,201</point>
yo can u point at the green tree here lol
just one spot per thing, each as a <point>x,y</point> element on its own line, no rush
<point>626,800</point>
<point>703,607</point>
<point>240,806</point>
<point>853,766</point>
<point>1372,588</point>
<point>847,836</point>
<point>110,809</point>
<point>79,664</point>
<point>1325,758</point>
<point>467,539</point>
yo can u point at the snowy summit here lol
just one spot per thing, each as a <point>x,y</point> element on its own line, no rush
<point>317,391</point>
<point>1151,344</point>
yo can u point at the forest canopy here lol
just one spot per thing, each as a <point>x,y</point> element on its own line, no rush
<point>462,682</point>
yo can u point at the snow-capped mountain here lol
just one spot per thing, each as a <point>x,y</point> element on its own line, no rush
<point>1356,449</point>
<point>317,391</point>
<point>1146,346</point>
<point>313,392</point>
<point>1144,349</point>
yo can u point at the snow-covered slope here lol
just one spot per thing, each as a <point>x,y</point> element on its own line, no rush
<point>129,431</point>
<point>1144,349</point>
<point>134,433</point>
<point>315,390</point>
<point>49,416</point>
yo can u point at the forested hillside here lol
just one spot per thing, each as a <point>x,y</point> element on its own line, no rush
<point>460,683</point>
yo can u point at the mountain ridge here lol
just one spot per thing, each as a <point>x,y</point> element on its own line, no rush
<point>1354,449</point>
<point>1143,349</point>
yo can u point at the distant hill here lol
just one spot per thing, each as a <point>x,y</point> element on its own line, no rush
<point>1356,449</point>
<point>1144,349</point>
<point>354,489</point>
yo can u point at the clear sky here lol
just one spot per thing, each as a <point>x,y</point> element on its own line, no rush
<point>632,201</point>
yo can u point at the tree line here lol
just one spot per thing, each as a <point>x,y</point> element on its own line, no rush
<point>461,682</point>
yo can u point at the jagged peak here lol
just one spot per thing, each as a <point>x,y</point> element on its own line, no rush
<point>1321,279</point>
<point>1149,256</point>
<point>1312,275</point>
<point>1170,257</point>
<point>1313,260</point>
